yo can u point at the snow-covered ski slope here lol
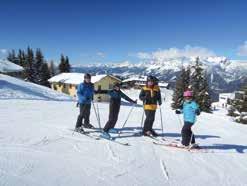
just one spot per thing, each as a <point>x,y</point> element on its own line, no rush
<point>37,148</point>
<point>13,88</point>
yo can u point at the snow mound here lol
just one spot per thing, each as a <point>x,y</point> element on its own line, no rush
<point>6,66</point>
<point>13,88</point>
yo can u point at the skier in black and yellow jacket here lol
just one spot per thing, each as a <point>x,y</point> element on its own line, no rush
<point>150,95</point>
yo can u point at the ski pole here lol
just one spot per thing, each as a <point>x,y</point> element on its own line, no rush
<point>96,115</point>
<point>97,105</point>
<point>142,119</point>
<point>161,121</point>
<point>132,107</point>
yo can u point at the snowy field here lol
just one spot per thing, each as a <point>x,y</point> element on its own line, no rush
<point>37,148</point>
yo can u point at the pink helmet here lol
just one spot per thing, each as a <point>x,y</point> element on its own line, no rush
<point>188,93</point>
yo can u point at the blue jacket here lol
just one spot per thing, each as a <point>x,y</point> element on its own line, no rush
<point>190,110</point>
<point>85,92</point>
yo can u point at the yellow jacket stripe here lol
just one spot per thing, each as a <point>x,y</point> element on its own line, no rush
<point>150,107</point>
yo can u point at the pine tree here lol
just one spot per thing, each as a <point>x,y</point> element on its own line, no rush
<point>238,108</point>
<point>44,75</point>
<point>182,83</point>
<point>12,57</point>
<point>21,57</point>
<point>62,65</point>
<point>67,65</point>
<point>52,69</point>
<point>29,69</point>
<point>38,63</point>
<point>199,85</point>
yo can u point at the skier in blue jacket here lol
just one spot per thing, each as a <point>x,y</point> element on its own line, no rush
<point>85,93</point>
<point>189,109</point>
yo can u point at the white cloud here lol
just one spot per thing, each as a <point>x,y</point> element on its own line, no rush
<point>144,55</point>
<point>101,54</point>
<point>242,50</point>
<point>187,51</point>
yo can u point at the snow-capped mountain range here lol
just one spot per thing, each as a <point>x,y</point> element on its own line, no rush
<point>224,75</point>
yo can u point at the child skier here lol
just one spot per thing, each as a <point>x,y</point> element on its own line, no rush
<point>85,93</point>
<point>150,95</point>
<point>189,109</point>
<point>115,101</point>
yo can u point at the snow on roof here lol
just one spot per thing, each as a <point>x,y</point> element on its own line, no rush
<point>7,66</point>
<point>76,78</point>
<point>135,79</point>
<point>163,84</point>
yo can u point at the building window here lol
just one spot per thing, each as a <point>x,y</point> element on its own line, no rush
<point>70,86</point>
<point>99,87</point>
<point>59,84</point>
<point>54,87</point>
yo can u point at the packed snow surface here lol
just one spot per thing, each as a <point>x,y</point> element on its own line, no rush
<point>38,148</point>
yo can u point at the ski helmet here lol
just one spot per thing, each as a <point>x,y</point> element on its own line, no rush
<point>151,78</point>
<point>188,93</point>
<point>87,76</point>
<point>116,84</point>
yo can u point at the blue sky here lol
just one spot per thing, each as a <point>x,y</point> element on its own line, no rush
<point>114,31</point>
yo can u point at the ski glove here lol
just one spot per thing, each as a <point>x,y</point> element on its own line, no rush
<point>178,112</point>
<point>198,112</point>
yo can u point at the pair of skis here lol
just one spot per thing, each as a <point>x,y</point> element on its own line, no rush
<point>112,139</point>
<point>175,144</point>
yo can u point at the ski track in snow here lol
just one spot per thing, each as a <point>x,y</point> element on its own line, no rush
<point>164,169</point>
<point>112,154</point>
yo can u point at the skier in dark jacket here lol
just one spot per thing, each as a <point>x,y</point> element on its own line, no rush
<point>189,109</point>
<point>150,95</point>
<point>114,107</point>
<point>85,93</point>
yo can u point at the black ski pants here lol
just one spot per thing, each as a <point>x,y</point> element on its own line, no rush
<point>84,114</point>
<point>149,121</point>
<point>187,135</point>
<point>113,115</point>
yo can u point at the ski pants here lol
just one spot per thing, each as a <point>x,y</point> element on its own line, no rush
<point>149,121</point>
<point>84,114</point>
<point>187,136</point>
<point>113,116</point>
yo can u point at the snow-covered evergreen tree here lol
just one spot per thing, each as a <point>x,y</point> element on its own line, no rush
<point>199,86</point>
<point>182,83</point>
<point>238,107</point>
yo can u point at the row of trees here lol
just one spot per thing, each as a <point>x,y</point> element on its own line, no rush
<point>193,78</point>
<point>238,108</point>
<point>36,68</point>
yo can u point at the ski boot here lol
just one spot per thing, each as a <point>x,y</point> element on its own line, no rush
<point>105,135</point>
<point>79,129</point>
<point>154,134</point>
<point>88,125</point>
